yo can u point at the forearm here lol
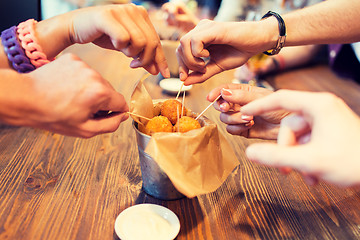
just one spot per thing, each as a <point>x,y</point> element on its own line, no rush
<point>15,92</point>
<point>332,21</point>
<point>299,55</point>
<point>4,62</point>
<point>54,34</point>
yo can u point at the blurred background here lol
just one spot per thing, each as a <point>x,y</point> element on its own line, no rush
<point>13,12</point>
<point>190,12</point>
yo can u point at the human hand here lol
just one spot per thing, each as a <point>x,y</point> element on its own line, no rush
<point>234,96</point>
<point>178,15</point>
<point>227,45</point>
<point>123,27</point>
<point>320,139</point>
<point>67,102</point>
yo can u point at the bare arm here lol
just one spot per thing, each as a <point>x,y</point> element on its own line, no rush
<point>230,45</point>
<point>331,21</point>
<point>124,27</point>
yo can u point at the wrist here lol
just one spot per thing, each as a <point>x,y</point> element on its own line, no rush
<point>270,32</point>
<point>54,34</point>
<point>256,36</point>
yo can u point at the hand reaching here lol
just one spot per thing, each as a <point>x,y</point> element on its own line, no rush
<point>180,16</point>
<point>234,96</point>
<point>123,27</point>
<point>67,102</point>
<point>320,139</point>
<point>225,45</point>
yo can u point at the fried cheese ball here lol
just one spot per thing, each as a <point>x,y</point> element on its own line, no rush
<point>159,124</point>
<point>170,110</point>
<point>186,124</point>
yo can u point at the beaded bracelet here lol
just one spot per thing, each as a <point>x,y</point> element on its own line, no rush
<point>29,42</point>
<point>14,52</point>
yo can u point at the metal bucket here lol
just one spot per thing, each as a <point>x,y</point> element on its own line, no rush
<point>155,182</point>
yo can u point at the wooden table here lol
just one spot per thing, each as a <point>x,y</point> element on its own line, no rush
<point>58,187</point>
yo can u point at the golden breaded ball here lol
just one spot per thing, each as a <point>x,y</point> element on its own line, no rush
<point>170,109</point>
<point>186,124</point>
<point>159,124</point>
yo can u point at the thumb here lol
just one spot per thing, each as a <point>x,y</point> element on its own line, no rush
<point>280,156</point>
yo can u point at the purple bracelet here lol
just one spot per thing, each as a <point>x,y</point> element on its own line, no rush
<point>15,52</point>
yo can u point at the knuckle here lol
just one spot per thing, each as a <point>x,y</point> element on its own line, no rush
<point>330,99</point>
<point>142,10</point>
<point>204,21</point>
<point>183,41</point>
<point>140,42</point>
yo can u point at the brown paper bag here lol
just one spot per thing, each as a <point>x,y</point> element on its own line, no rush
<point>197,162</point>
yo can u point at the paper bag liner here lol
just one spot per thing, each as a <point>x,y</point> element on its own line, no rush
<point>197,162</point>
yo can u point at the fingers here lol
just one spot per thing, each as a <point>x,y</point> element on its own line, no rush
<point>192,50</point>
<point>294,101</point>
<point>103,121</point>
<point>210,70</point>
<point>240,130</point>
<point>118,34</point>
<point>136,38</point>
<point>197,77</point>
<point>222,106</point>
<point>144,39</point>
<point>191,55</point>
<point>294,129</point>
<point>231,118</point>
<point>153,53</point>
<point>160,62</point>
<point>93,127</point>
<point>115,103</point>
<point>274,155</point>
<point>183,69</point>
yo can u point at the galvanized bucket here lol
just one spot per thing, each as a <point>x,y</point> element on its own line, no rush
<point>155,181</point>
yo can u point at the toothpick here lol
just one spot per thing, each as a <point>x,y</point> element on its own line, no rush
<point>183,104</point>
<point>145,76</point>
<point>207,107</point>
<point>137,115</point>
<point>177,96</point>
<point>178,122</point>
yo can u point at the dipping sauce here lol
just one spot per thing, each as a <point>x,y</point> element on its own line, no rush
<point>147,221</point>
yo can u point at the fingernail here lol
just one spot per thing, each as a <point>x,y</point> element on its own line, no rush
<point>246,117</point>
<point>135,63</point>
<point>167,73</point>
<point>250,124</point>
<point>226,92</point>
<point>285,170</point>
<point>181,76</point>
<point>223,106</point>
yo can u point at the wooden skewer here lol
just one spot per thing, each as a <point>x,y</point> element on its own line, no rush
<point>177,96</point>
<point>145,76</point>
<point>207,108</point>
<point>177,113</point>
<point>183,105</point>
<point>137,115</point>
